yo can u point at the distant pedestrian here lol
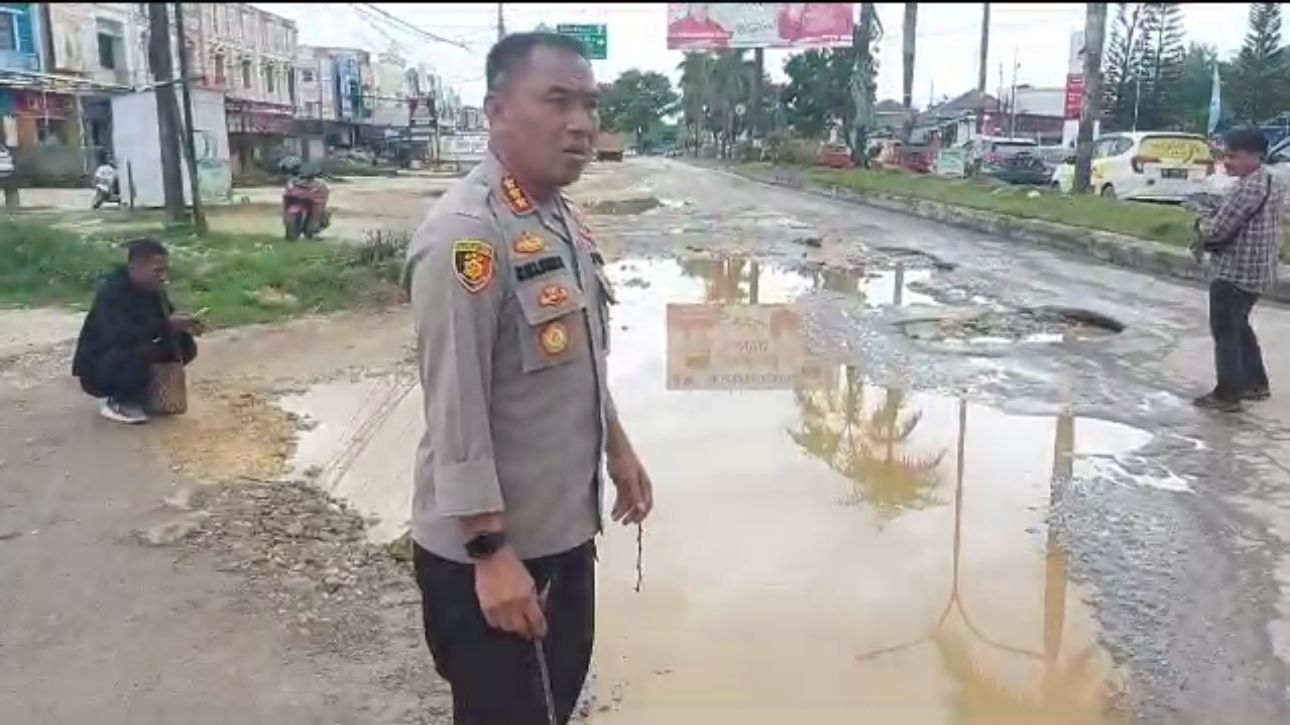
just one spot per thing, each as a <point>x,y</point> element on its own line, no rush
<point>130,328</point>
<point>511,303</point>
<point>1243,236</point>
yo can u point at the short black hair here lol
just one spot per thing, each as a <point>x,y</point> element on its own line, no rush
<point>511,52</point>
<point>137,250</point>
<point>1247,139</point>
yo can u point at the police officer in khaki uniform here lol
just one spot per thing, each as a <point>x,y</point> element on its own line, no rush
<point>511,306</point>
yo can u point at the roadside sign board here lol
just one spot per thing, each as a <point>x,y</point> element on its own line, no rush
<point>952,163</point>
<point>595,38</point>
<point>1074,95</point>
<point>734,347</point>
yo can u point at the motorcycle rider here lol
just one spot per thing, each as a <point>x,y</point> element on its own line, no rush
<point>105,182</point>
<point>305,178</point>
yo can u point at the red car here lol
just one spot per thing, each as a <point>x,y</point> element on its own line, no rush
<point>835,156</point>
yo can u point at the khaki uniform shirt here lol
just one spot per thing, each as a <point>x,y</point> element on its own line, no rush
<point>510,301</point>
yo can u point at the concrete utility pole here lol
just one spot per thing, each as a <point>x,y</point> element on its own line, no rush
<point>910,32</point>
<point>501,22</point>
<point>861,89</point>
<point>759,70</point>
<point>172,180</point>
<point>985,58</point>
<point>1091,107</point>
<point>194,188</point>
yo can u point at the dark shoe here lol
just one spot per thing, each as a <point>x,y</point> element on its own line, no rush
<point>1259,392</point>
<point>1210,401</point>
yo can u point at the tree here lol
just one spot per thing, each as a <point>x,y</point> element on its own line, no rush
<point>696,74</point>
<point>817,95</point>
<point>1195,80</point>
<point>1161,69</point>
<point>636,102</point>
<point>1124,52</point>
<point>1260,84</point>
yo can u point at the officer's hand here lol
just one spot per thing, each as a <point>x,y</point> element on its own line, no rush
<point>508,596</point>
<point>635,497</point>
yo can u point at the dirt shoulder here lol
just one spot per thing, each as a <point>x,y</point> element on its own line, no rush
<point>165,574</point>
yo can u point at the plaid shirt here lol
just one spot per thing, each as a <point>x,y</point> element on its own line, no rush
<point>1249,232</point>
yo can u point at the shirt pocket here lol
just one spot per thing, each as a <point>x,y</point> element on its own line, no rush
<point>553,329</point>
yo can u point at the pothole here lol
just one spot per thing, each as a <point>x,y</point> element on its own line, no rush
<point>914,258</point>
<point>990,331</point>
<point>624,207</point>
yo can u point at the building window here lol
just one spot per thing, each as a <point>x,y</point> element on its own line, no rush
<point>306,76</point>
<point>246,74</point>
<point>219,70</point>
<point>8,30</point>
<point>110,43</point>
<point>269,79</point>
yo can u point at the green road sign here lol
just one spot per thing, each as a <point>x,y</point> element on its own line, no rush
<point>595,38</point>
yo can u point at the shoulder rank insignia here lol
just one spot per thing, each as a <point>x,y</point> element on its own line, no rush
<point>517,200</point>
<point>553,295</point>
<point>472,260</point>
<point>529,243</point>
<point>554,338</point>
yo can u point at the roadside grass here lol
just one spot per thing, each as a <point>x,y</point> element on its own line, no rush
<point>1171,225</point>
<point>242,279</point>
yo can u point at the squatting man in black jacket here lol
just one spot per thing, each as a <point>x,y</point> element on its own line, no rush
<point>131,327</point>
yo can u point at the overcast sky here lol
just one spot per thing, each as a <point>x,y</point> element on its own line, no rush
<point>948,35</point>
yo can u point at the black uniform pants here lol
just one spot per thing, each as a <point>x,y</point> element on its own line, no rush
<point>1238,360</point>
<point>494,676</point>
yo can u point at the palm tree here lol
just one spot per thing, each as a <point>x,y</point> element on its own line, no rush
<point>696,94</point>
<point>731,85</point>
<point>869,451</point>
<point>911,34</point>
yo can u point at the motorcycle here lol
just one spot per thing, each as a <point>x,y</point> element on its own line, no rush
<point>304,208</point>
<point>105,191</point>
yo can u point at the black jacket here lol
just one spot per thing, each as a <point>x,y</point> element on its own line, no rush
<point>125,318</point>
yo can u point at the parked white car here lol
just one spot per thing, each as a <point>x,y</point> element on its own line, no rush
<point>1145,166</point>
<point>1278,163</point>
<point>6,161</point>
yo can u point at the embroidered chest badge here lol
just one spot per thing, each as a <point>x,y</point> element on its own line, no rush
<point>472,260</point>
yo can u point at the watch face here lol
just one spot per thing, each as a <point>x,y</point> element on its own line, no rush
<point>485,545</point>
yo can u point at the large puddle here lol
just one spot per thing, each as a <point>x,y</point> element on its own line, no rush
<point>824,550</point>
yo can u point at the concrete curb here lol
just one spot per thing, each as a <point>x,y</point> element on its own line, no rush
<point>1109,247</point>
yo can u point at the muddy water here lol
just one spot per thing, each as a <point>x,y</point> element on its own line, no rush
<point>826,550</point>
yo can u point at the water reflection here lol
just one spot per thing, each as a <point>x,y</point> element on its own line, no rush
<point>937,593</point>
<point>738,280</point>
<point>868,445</point>
<point>1072,687</point>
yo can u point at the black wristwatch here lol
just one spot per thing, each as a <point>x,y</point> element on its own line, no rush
<point>485,544</point>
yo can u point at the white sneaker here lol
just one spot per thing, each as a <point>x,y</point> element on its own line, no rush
<point>122,412</point>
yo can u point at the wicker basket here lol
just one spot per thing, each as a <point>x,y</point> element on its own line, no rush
<point>169,392</point>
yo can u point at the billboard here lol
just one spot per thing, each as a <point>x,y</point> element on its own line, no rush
<point>701,26</point>
<point>736,347</point>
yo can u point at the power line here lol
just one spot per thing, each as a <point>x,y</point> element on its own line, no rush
<point>419,31</point>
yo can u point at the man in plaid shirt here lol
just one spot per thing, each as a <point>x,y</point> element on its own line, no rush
<point>1243,236</point>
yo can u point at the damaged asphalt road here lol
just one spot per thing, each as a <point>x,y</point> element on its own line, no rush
<point>904,472</point>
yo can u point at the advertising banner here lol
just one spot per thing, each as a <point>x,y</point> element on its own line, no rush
<point>701,26</point>
<point>1074,94</point>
